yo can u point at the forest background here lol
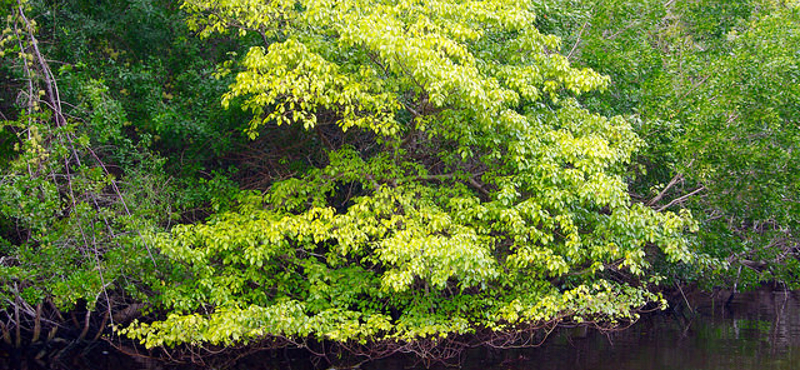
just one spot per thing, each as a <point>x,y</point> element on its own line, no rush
<point>387,176</point>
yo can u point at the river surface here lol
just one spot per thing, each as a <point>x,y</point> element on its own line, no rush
<point>755,330</point>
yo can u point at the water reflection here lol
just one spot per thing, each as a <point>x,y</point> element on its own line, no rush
<point>756,330</point>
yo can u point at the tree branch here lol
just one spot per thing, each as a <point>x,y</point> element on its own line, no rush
<point>681,199</point>
<point>449,176</point>
<point>664,191</point>
<point>578,41</point>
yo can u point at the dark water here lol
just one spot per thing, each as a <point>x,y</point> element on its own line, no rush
<point>756,330</point>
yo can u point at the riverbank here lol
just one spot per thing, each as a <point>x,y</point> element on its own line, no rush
<point>753,330</point>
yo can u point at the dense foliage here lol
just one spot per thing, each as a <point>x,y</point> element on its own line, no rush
<point>366,172</point>
<point>714,89</point>
<point>474,192</point>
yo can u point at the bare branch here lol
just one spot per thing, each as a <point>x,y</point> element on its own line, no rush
<point>578,41</point>
<point>660,195</point>
<point>681,199</point>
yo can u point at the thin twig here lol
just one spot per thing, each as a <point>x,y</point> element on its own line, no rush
<point>684,297</point>
<point>578,41</point>
<point>681,199</point>
<point>613,36</point>
<point>660,195</point>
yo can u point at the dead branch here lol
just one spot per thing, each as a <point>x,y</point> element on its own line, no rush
<point>681,199</point>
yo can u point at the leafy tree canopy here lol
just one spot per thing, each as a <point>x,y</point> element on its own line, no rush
<point>713,87</point>
<point>463,186</point>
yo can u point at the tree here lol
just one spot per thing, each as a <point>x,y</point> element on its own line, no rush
<point>712,86</point>
<point>742,126</point>
<point>71,223</point>
<point>464,189</point>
